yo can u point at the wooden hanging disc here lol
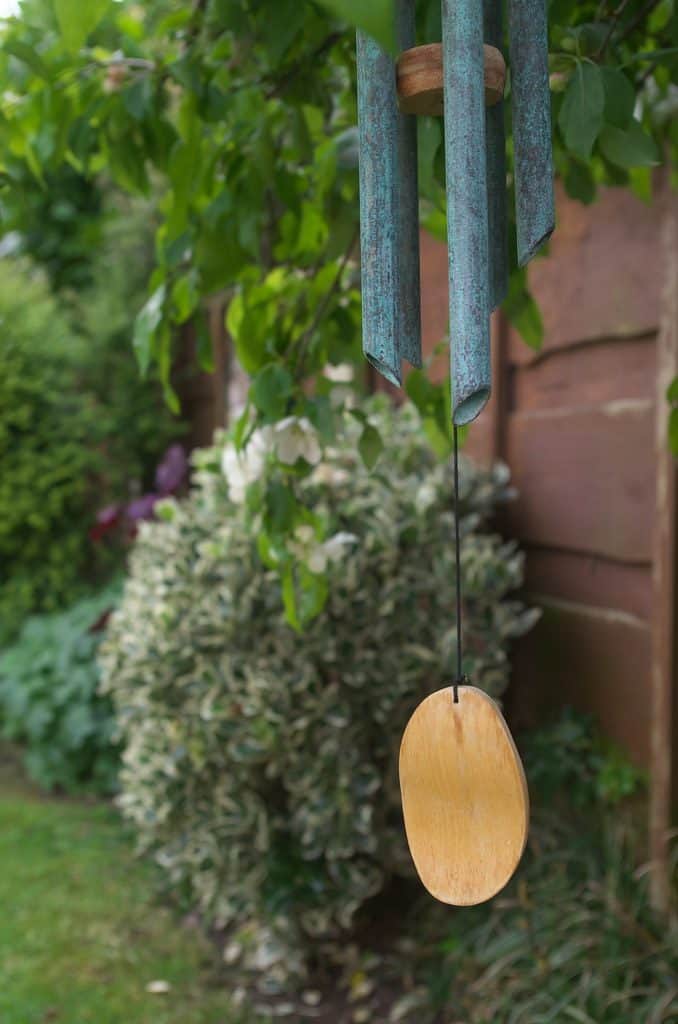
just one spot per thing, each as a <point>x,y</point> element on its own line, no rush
<point>464,794</point>
<point>419,76</point>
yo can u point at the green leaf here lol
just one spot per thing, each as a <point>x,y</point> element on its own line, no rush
<point>631,147</point>
<point>673,431</point>
<point>640,183</point>
<point>280,507</point>
<point>289,597</point>
<point>145,326</point>
<point>370,445</point>
<point>581,114</point>
<point>204,346</point>
<point>376,18</point>
<point>271,390</point>
<point>28,55</point>
<point>420,389</point>
<point>77,19</point>
<point>314,590</point>
<point>185,296</point>
<point>523,311</point>
<point>672,391</point>
<point>620,97</point>
<point>579,182</point>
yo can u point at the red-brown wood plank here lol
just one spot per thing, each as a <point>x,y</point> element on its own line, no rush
<point>596,661</point>
<point>585,479</point>
<point>590,579</point>
<point>586,375</point>
<point>602,277</point>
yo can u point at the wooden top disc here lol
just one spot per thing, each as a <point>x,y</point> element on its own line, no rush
<point>464,794</point>
<point>419,76</point>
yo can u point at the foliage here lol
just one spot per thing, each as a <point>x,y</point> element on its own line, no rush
<point>672,399</point>
<point>67,442</point>
<point>82,937</point>
<point>48,467</point>
<point>56,225</point>
<point>260,766</point>
<point>241,117</point>
<point>49,698</point>
<point>134,422</point>
<point>573,938</point>
<point>570,756</point>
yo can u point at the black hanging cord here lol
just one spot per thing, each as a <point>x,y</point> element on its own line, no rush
<point>460,679</point>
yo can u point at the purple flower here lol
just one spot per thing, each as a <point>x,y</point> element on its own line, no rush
<point>171,471</point>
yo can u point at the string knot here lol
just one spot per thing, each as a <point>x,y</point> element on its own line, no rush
<point>459,681</point>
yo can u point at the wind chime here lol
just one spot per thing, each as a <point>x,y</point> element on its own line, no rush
<point>465,800</point>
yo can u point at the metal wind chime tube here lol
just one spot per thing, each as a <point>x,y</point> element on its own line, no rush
<point>463,79</point>
<point>495,143</point>
<point>464,795</point>
<point>409,207</point>
<point>467,217</point>
<point>389,218</point>
<point>531,109</point>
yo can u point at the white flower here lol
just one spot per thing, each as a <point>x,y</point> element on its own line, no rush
<point>317,560</point>
<point>316,555</point>
<point>296,438</point>
<point>326,473</point>
<point>330,550</point>
<point>241,468</point>
<point>334,546</point>
<point>341,374</point>
<point>425,497</point>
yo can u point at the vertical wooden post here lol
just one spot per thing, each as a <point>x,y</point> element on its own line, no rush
<point>663,575</point>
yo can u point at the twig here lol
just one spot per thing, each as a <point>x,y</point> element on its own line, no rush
<point>616,14</point>
<point>282,83</point>
<point>646,9</point>
<point>305,339</point>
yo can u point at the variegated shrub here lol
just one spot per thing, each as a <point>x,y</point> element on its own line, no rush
<point>260,762</point>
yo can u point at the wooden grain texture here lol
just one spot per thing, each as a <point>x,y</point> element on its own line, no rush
<point>464,794</point>
<point>419,75</point>
<point>584,477</point>
<point>663,580</point>
<point>589,579</point>
<point>603,274</point>
<point>596,660</point>
<point>600,371</point>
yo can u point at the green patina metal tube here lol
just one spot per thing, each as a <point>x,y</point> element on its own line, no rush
<point>408,206</point>
<point>495,146</point>
<point>467,212</point>
<point>389,221</point>
<point>531,112</point>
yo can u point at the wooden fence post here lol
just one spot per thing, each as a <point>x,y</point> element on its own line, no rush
<point>663,576</point>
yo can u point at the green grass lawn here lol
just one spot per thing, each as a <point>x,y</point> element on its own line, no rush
<point>81,936</point>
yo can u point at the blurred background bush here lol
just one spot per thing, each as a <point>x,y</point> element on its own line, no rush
<point>79,428</point>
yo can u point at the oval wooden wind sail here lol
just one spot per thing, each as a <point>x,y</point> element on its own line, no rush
<point>464,795</point>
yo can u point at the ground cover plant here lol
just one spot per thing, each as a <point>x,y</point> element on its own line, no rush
<point>572,938</point>
<point>49,699</point>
